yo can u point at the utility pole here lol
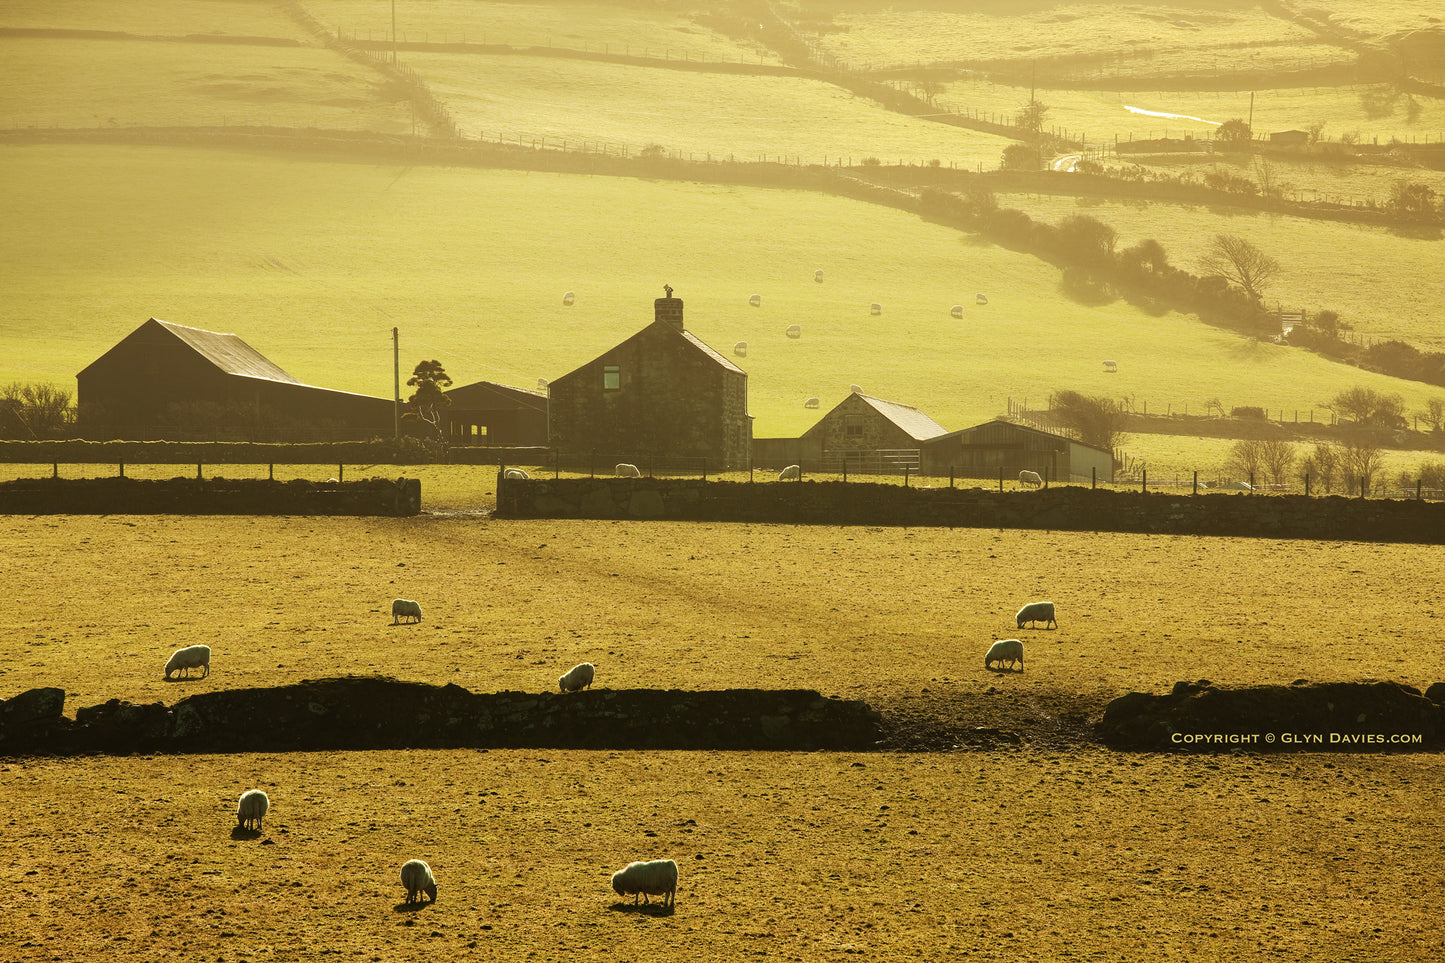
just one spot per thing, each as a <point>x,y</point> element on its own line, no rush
<point>393,31</point>
<point>396,382</point>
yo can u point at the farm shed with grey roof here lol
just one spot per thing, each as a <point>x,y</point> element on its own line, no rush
<point>166,380</point>
<point>496,416</point>
<point>985,450</point>
<point>863,433</point>
<point>662,399</point>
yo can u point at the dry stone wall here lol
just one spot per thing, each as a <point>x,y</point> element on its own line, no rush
<point>1062,508</point>
<point>209,496</point>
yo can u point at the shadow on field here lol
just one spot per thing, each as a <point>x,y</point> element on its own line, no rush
<point>241,832</point>
<point>643,909</point>
<point>405,907</point>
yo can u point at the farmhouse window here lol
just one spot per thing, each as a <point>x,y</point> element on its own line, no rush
<point>611,377</point>
<point>853,426</point>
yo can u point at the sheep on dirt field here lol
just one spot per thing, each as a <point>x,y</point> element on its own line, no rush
<point>516,473</point>
<point>405,609</point>
<point>1030,478</point>
<point>417,877</point>
<point>1037,612</point>
<point>191,657</point>
<point>251,808</point>
<point>791,473</point>
<point>625,470</point>
<point>1005,650</point>
<point>577,678</point>
<point>657,877</point>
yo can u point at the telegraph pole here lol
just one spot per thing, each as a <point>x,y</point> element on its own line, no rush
<point>396,382</point>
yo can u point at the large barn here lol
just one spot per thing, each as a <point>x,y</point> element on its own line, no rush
<point>167,380</point>
<point>866,434</point>
<point>661,399</point>
<point>1003,449</point>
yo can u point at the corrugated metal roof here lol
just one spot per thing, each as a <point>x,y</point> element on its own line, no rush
<point>914,422</point>
<point>228,353</point>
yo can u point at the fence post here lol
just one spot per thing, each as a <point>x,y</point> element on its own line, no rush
<point>1196,482</point>
<point>1000,478</point>
<point>1144,480</point>
<point>55,470</point>
<point>950,476</point>
<point>198,471</point>
<point>1251,481</point>
<point>1093,477</point>
<point>122,469</point>
<point>271,472</point>
<point>905,476</point>
<point>1363,483</point>
<point>1419,487</point>
<point>340,473</point>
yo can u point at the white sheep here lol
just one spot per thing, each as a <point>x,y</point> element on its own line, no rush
<point>191,657</point>
<point>791,473</point>
<point>875,308</point>
<point>755,300</point>
<point>254,804</point>
<point>794,331</point>
<point>405,609</point>
<point>956,310</point>
<point>1037,612</point>
<point>1030,478</point>
<point>811,403</point>
<point>1005,650</point>
<point>625,470</point>
<point>417,877</point>
<point>516,473</point>
<point>569,297</point>
<point>818,276</point>
<point>741,349</point>
<point>656,877</point>
<point>577,678</point>
<point>980,299</point>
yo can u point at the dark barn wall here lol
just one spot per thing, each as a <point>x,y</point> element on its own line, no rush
<point>673,400</point>
<point>133,383</point>
<point>513,418</point>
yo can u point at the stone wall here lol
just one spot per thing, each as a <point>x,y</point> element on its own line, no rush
<point>1061,508</point>
<point>381,713</point>
<point>209,496</point>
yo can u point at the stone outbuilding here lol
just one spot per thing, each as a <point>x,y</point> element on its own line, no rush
<point>166,380</point>
<point>866,434</point>
<point>662,400</point>
<point>1004,448</point>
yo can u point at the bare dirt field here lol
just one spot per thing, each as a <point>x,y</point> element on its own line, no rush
<point>1053,850</point>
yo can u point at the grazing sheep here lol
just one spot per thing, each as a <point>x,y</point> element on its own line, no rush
<point>417,877</point>
<point>791,473</point>
<point>811,403</point>
<point>794,331</point>
<point>657,877</point>
<point>1037,612</point>
<point>577,678</point>
<point>818,276</point>
<point>625,470</point>
<point>405,609</point>
<point>956,310</point>
<point>191,657</point>
<point>741,349</point>
<point>980,299</point>
<point>875,308</point>
<point>755,300</point>
<point>1030,478</point>
<point>516,473</point>
<point>855,389</point>
<point>1005,650</point>
<point>253,805</point>
<point>569,297</point>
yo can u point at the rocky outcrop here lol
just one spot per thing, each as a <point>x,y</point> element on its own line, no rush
<point>1329,717</point>
<point>382,713</point>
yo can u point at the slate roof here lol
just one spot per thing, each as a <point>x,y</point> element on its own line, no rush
<point>228,353</point>
<point>913,422</point>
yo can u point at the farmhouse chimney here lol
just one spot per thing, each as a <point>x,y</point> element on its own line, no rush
<point>669,309</point>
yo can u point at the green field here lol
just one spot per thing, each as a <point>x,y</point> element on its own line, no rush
<point>313,262</point>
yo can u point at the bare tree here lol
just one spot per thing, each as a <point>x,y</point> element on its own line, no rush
<point>1322,464</point>
<point>1235,259</point>
<point>1434,414</point>
<point>1245,459</point>
<point>1278,456</point>
<point>1096,421</point>
<point>1369,408</point>
<point>1360,459</point>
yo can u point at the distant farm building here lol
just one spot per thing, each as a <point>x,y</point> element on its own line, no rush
<point>1289,138</point>
<point>167,380</point>
<point>496,416</point>
<point>861,434</point>
<point>1003,448</point>
<point>662,398</point>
